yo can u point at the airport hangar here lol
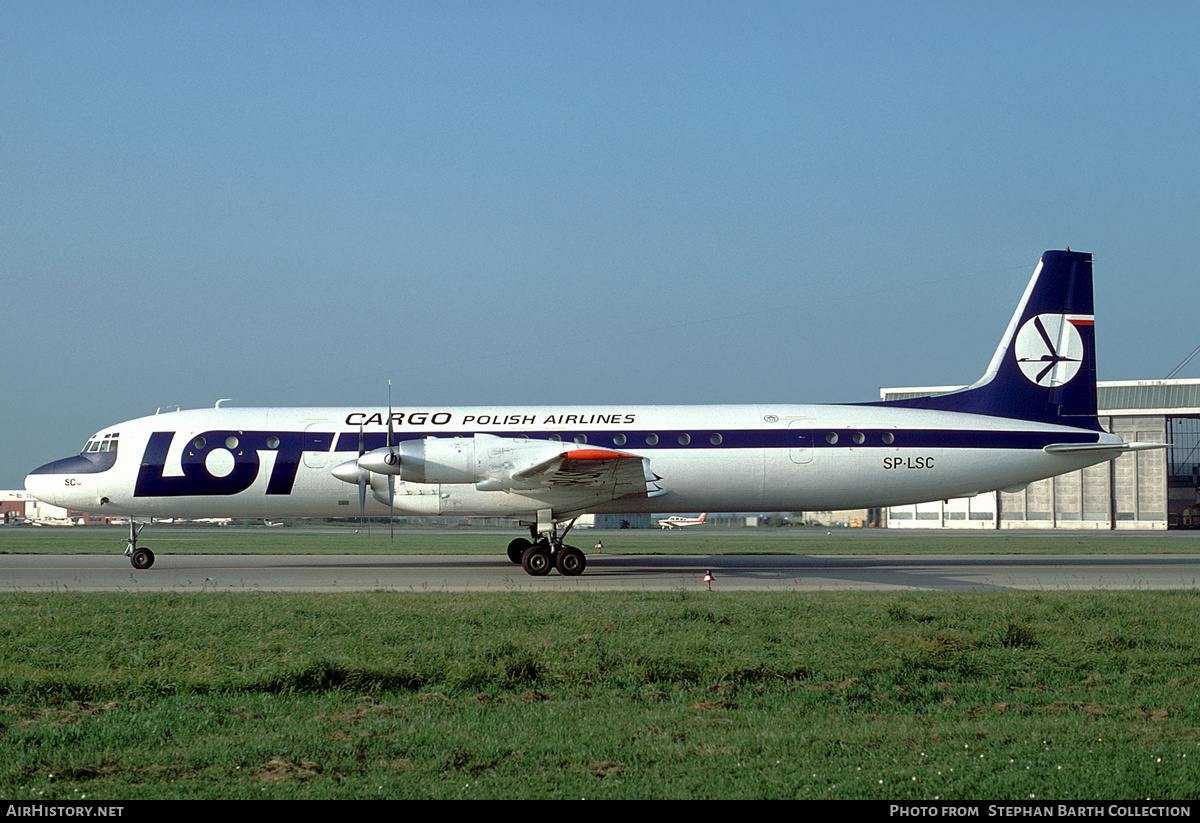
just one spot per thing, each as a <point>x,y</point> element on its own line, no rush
<point>1156,489</point>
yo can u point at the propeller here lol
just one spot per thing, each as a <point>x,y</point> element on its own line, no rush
<point>354,474</point>
<point>382,461</point>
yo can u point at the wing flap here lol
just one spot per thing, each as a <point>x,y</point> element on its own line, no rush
<point>599,474</point>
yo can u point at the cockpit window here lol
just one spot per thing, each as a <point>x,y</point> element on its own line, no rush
<point>101,444</point>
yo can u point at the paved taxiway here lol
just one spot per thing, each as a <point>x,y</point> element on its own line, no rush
<point>305,573</point>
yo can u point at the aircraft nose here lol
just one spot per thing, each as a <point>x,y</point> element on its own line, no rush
<point>44,483</point>
<point>70,483</point>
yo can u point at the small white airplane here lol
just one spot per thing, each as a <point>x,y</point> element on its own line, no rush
<point>1031,415</point>
<point>677,521</point>
<point>54,521</point>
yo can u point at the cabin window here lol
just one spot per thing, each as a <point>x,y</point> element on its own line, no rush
<point>684,439</point>
<point>618,440</point>
<point>858,438</point>
<point>831,438</point>
<point>715,439</point>
<point>888,438</point>
<point>652,440</point>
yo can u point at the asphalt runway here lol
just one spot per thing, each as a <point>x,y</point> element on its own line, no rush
<point>478,573</point>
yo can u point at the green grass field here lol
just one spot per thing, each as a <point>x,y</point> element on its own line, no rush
<point>979,695</point>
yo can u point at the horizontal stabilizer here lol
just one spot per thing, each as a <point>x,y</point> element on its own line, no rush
<point>1077,448</point>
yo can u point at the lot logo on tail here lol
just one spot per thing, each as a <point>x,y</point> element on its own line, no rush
<point>1049,348</point>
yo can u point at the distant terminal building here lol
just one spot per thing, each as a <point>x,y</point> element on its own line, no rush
<point>613,521</point>
<point>853,518</point>
<point>1156,489</point>
<point>20,506</point>
<point>17,506</point>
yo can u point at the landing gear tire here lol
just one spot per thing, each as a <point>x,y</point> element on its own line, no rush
<point>536,561</point>
<point>516,549</point>
<point>142,558</point>
<point>570,561</point>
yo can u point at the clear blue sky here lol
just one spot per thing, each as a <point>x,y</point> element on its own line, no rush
<point>292,203</point>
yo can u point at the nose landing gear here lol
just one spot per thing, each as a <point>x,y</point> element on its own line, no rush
<point>140,556</point>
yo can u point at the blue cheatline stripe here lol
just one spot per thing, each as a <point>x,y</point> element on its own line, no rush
<point>702,439</point>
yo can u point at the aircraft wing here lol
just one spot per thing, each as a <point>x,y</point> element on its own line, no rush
<point>593,475</point>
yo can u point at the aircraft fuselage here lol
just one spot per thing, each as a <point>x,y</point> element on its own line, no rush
<point>231,462</point>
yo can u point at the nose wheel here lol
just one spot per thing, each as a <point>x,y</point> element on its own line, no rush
<point>141,557</point>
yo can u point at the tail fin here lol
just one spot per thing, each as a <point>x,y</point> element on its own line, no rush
<point>1045,366</point>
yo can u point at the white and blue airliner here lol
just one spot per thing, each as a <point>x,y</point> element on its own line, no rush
<point>1031,416</point>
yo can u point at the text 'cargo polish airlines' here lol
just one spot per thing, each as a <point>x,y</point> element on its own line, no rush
<point>1032,415</point>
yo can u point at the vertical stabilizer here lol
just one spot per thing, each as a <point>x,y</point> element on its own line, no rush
<point>1045,366</point>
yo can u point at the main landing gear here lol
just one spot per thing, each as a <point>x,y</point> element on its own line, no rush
<point>547,551</point>
<point>141,557</point>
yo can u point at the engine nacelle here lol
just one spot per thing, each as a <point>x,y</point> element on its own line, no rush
<point>483,459</point>
<point>438,460</point>
<point>402,498</point>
